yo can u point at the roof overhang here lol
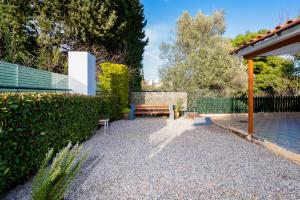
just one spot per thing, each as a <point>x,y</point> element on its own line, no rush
<point>285,42</point>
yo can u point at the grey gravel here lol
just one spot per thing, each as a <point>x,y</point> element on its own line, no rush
<point>162,159</point>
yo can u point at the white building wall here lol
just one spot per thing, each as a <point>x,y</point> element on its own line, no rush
<point>82,72</point>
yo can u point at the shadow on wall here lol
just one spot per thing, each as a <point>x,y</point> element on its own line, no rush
<point>81,88</point>
<point>59,81</point>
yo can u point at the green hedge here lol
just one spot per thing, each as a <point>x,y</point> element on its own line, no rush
<point>110,106</point>
<point>32,123</point>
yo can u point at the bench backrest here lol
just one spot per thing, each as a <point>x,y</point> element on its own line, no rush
<point>151,107</point>
<point>142,109</point>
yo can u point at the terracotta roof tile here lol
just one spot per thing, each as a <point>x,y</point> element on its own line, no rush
<point>278,29</point>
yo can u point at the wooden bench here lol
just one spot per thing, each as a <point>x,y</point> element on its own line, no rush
<point>151,110</point>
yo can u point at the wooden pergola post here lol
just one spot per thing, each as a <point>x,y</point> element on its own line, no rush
<point>284,39</point>
<point>250,97</point>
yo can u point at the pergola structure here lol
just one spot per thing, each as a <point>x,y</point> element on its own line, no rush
<point>284,39</point>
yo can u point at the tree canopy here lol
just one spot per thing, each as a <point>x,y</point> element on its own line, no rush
<point>34,32</point>
<point>274,75</point>
<point>198,59</point>
<point>242,39</point>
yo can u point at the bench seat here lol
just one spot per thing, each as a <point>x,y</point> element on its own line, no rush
<point>159,108</point>
<point>151,112</point>
<point>151,109</point>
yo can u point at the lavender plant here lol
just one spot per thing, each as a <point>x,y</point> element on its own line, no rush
<point>52,181</point>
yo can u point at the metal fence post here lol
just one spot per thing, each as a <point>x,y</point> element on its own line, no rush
<point>132,113</point>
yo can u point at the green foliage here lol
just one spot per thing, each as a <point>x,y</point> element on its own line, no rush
<point>110,106</point>
<point>273,76</point>
<point>199,59</point>
<point>114,79</point>
<point>33,123</point>
<point>126,110</point>
<point>136,43</point>
<point>52,181</point>
<point>179,105</point>
<point>242,39</point>
<point>32,32</point>
<point>16,32</point>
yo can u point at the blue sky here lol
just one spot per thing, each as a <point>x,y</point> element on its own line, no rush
<point>241,15</point>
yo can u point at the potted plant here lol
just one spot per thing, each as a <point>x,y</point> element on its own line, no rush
<point>125,112</point>
<point>178,108</point>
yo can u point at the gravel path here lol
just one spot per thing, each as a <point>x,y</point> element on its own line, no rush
<point>162,159</point>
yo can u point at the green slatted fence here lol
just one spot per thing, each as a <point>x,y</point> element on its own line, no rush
<point>15,77</point>
<point>240,105</point>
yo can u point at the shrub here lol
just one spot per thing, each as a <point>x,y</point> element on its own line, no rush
<point>126,110</point>
<point>31,124</point>
<point>110,107</point>
<point>114,79</point>
<point>179,105</point>
<point>52,182</point>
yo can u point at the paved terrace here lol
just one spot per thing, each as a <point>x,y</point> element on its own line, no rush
<point>279,128</point>
<point>162,159</point>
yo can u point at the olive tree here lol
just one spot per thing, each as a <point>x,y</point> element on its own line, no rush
<point>198,59</point>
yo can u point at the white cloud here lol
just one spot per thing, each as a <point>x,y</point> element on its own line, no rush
<point>156,34</point>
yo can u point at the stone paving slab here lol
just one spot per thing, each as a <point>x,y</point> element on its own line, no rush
<point>282,129</point>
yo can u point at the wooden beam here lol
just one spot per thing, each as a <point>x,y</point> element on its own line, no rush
<point>250,97</point>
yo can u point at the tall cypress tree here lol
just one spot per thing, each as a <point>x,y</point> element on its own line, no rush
<point>136,42</point>
<point>17,33</point>
<point>49,18</point>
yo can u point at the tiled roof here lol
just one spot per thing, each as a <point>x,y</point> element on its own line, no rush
<point>288,24</point>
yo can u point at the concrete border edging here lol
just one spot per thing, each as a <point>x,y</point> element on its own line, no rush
<point>294,157</point>
<point>282,152</point>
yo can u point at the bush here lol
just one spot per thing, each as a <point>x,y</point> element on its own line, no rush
<point>126,110</point>
<point>114,79</point>
<point>52,182</point>
<point>110,107</point>
<point>31,124</point>
<point>179,105</point>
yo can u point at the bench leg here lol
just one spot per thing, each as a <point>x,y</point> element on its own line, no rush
<point>171,111</point>
<point>106,127</point>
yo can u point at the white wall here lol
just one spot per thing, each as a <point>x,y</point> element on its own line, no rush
<point>82,72</point>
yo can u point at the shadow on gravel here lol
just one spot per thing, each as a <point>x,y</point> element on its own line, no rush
<point>164,136</point>
<point>85,172</point>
